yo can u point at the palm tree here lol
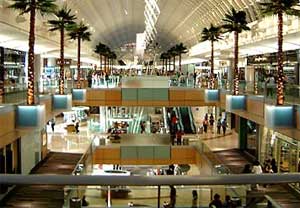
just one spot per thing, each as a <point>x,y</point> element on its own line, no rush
<point>80,33</point>
<point>64,21</point>
<point>173,53</point>
<point>32,7</point>
<point>236,22</point>
<point>180,49</point>
<point>100,49</point>
<point>212,34</point>
<point>164,58</point>
<point>279,7</point>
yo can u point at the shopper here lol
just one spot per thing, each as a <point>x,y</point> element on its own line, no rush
<point>205,125</point>
<point>274,166</point>
<point>172,197</point>
<point>211,123</point>
<point>247,169</point>
<point>52,124</point>
<point>179,137</point>
<point>219,125</point>
<point>216,202</point>
<point>143,127</point>
<point>195,199</point>
<point>84,202</point>
<point>77,127</point>
<point>257,169</point>
<point>227,202</point>
<point>224,126</point>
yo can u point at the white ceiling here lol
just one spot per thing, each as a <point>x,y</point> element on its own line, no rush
<point>116,22</point>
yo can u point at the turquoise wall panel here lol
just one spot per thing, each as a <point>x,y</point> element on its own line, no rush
<point>160,94</point>
<point>27,116</point>
<point>145,94</point>
<point>129,94</point>
<point>279,116</point>
<point>129,152</point>
<point>212,95</point>
<point>145,152</point>
<point>78,94</point>
<point>162,152</point>
<point>61,102</point>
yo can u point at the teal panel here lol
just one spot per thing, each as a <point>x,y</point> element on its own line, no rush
<point>78,94</point>
<point>129,94</point>
<point>238,102</point>
<point>160,94</point>
<point>27,116</point>
<point>212,95</point>
<point>129,152</point>
<point>145,94</point>
<point>60,102</point>
<point>162,152</point>
<point>145,152</point>
<point>279,116</point>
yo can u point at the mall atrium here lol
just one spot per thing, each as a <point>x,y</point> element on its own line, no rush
<point>149,103</point>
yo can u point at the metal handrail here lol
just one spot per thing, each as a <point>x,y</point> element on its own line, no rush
<point>149,180</point>
<point>272,202</point>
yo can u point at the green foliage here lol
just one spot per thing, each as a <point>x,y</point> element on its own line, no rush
<point>212,34</point>
<point>80,31</point>
<point>64,19</point>
<point>42,6</point>
<point>273,7</point>
<point>235,21</point>
<point>180,49</point>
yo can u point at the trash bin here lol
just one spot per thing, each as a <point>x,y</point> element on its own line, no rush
<point>75,202</point>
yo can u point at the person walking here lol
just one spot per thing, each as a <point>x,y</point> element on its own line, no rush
<point>179,136</point>
<point>219,125</point>
<point>224,126</point>
<point>52,124</point>
<point>257,169</point>
<point>172,197</point>
<point>211,123</point>
<point>195,199</point>
<point>216,202</point>
<point>205,125</point>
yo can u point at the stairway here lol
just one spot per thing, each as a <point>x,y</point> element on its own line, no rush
<point>43,196</point>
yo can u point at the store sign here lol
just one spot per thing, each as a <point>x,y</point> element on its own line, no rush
<point>67,61</point>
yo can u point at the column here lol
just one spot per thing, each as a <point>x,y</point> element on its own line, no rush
<point>102,118</point>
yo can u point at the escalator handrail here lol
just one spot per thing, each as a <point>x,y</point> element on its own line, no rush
<point>179,123</point>
<point>191,117</point>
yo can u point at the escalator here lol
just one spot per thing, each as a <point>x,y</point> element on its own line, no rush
<point>187,120</point>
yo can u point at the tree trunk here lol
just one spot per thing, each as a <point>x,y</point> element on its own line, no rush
<point>280,79</point>
<point>30,89</point>
<point>170,64</point>
<point>174,60</point>
<point>62,63</point>
<point>212,77</point>
<point>180,63</point>
<point>236,60</point>
<point>100,62</point>
<point>2,72</point>
<point>78,64</point>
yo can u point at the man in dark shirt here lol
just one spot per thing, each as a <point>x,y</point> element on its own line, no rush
<point>216,203</point>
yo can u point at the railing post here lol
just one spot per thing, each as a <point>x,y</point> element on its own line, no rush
<point>158,196</point>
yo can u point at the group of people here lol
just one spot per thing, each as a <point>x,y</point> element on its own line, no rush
<point>209,121</point>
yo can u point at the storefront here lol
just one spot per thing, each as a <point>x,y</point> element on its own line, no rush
<point>14,73</point>
<point>283,149</point>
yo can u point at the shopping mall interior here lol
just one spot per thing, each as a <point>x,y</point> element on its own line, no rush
<point>149,103</point>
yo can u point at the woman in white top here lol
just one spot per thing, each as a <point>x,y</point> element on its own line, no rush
<point>257,169</point>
